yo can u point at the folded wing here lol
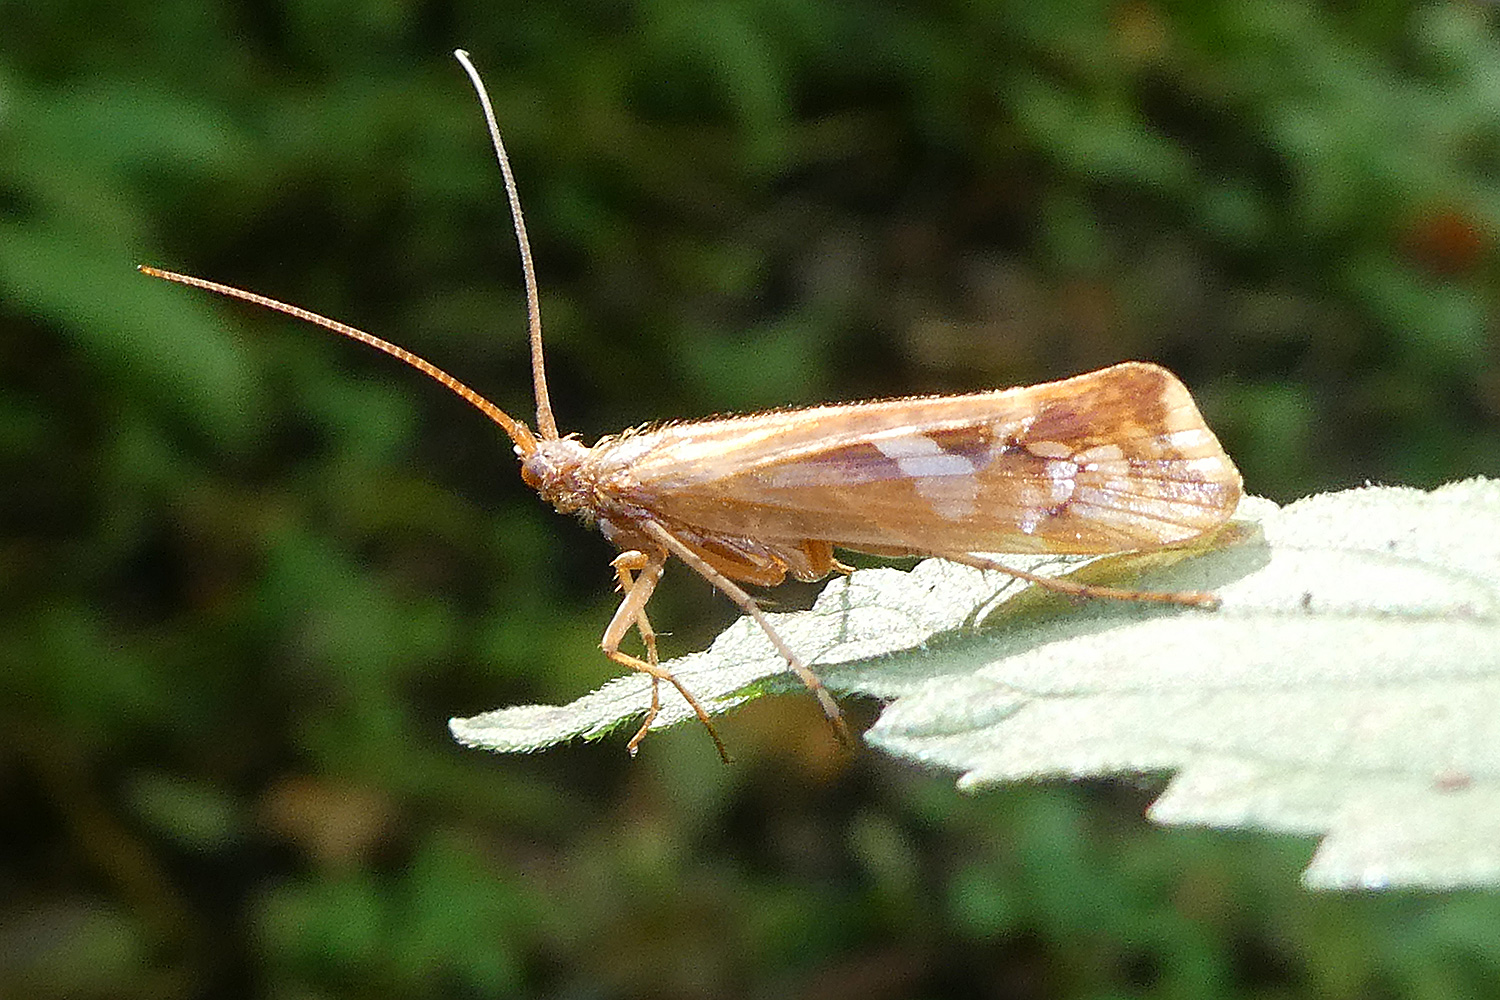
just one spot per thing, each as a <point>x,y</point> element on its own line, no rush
<point>1113,460</point>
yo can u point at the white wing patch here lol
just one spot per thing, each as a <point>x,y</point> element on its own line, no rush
<point>944,479</point>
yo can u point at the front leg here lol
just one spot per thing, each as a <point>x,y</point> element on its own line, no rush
<point>747,604</point>
<point>639,573</point>
<point>626,564</point>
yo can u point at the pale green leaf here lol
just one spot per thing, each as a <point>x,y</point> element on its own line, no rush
<point>1348,688</point>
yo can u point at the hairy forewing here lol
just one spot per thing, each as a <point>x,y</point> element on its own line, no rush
<point>1113,460</point>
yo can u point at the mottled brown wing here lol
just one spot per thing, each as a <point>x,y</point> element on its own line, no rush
<point>1113,460</point>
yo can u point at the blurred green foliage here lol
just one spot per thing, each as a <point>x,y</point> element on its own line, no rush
<point>248,571</point>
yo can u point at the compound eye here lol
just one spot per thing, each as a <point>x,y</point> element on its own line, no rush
<point>530,477</point>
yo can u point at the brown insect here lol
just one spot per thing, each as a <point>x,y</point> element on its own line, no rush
<point>1112,461</point>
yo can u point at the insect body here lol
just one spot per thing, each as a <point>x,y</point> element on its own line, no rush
<point>1110,461</point>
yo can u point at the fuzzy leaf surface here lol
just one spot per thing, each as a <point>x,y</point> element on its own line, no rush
<point>1348,687</point>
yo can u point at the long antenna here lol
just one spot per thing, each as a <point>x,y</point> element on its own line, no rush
<point>518,432</point>
<point>546,426</point>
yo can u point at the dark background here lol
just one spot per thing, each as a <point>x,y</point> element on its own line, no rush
<point>247,570</point>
